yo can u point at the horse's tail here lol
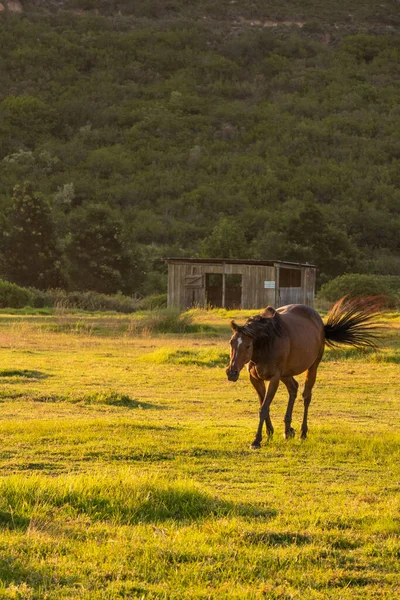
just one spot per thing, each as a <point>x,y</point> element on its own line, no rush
<point>350,322</point>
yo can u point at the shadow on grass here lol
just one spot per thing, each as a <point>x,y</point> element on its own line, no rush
<point>352,580</point>
<point>99,398</point>
<point>273,538</point>
<point>7,395</point>
<point>38,466</point>
<point>10,520</point>
<point>11,570</point>
<point>219,453</point>
<point>342,543</point>
<point>23,373</point>
<point>121,500</point>
<point>23,577</point>
<point>116,399</point>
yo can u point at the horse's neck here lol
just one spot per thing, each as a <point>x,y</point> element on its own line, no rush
<point>271,354</point>
<point>262,356</point>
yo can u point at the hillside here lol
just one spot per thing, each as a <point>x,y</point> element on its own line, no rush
<point>237,129</point>
<point>358,14</point>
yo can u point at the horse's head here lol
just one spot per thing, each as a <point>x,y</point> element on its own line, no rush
<point>241,352</point>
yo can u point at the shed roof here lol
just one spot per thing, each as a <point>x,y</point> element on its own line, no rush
<point>236,261</point>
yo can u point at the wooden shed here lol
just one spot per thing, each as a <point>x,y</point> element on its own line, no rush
<point>231,283</point>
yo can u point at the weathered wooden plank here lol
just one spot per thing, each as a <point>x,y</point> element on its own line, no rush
<point>171,289</point>
<point>270,292</point>
<point>185,291</point>
<point>291,295</point>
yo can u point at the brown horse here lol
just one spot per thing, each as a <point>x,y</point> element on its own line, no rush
<point>278,344</point>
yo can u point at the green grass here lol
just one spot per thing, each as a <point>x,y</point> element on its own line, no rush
<point>209,357</point>
<point>126,470</point>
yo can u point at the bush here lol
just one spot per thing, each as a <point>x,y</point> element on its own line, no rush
<point>356,284</point>
<point>92,301</point>
<point>14,296</point>
<point>41,298</point>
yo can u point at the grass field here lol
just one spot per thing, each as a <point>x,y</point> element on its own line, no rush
<point>127,472</point>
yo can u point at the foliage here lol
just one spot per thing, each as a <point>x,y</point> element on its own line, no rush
<point>357,284</point>
<point>226,240</point>
<point>14,296</point>
<point>29,246</point>
<point>174,128</point>
<point>90,301</point>
<point>96,255</point>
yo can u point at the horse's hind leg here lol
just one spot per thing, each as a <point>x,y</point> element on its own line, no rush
<point>292,387</point>
<point>307,394</point>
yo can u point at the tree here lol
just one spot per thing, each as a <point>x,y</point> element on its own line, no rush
<point>227,240</point>
<point>28,118</point>
<point>98,260</point>
<point>311,238</point>
<point>29,245</point>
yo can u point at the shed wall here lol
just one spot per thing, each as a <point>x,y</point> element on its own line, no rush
<point>187,287</point>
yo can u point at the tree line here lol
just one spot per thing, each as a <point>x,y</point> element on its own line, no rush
<point>124,142</point>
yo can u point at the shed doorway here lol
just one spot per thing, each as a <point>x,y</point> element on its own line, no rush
<point>233,292</point>
<point>223,290</point>
<point>290,286</point>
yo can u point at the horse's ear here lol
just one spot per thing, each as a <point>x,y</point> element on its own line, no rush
<point>234,326</point>
<point>268,312</point>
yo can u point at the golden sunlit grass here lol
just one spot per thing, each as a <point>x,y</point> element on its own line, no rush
<point>127,472</point>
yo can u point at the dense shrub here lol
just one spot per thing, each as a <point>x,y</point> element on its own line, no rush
<point>14,296</point>
<point>356,284</point>
<point>40,299</point>
<point>92,301</point>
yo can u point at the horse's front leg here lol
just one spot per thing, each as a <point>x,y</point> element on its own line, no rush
<point>259,386</point>
<point>264,411</point>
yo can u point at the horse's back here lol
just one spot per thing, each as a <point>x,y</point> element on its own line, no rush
<point>295,313</point>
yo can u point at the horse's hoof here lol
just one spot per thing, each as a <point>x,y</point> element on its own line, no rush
<point>255,446</point>
<point>303,435</point>
<point>290,433</point>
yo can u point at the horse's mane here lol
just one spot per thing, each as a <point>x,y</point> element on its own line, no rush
<point>263,330</point>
